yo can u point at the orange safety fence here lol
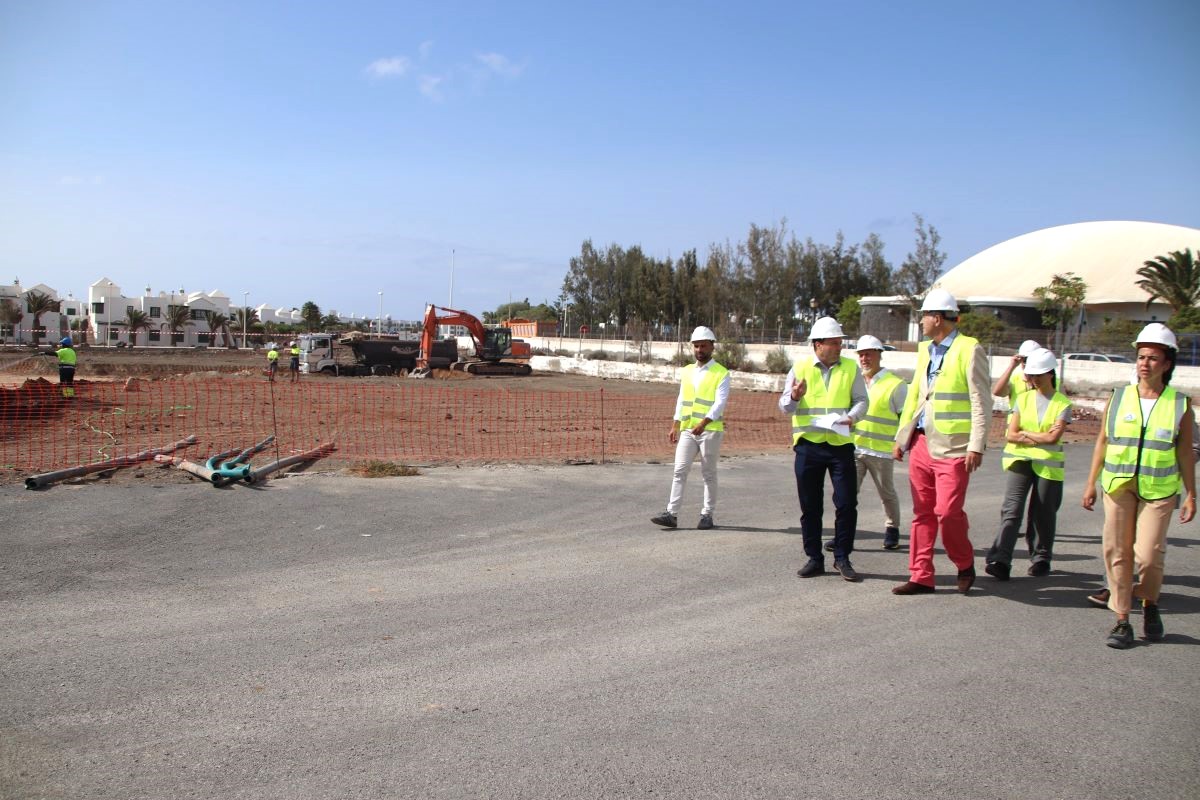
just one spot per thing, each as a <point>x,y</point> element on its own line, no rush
<point>407,421</point>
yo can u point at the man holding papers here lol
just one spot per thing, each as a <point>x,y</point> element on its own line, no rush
<point>825,397</point>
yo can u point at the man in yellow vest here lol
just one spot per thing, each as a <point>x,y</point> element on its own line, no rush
<point>945,425</point>
<point>697,428</point>
<point>294,361</point>
<point>272,361</point>
<point>66,366</point>
<point>875,435</point>
<point>825,395</point>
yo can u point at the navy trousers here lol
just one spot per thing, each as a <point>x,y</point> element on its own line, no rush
<point>813,461</point>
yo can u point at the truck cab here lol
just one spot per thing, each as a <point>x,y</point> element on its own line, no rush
<point>316,353</point>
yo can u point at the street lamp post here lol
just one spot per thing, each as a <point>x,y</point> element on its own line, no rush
<point>245,316</point>
<point>379,322</point>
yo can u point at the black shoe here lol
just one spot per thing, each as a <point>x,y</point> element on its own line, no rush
<point>1152,627</point>
<point>705,522</point>
<point>912,587</point>
<point>998,570</point>
<point>812,569</point>
<point>1121,636</point>
<point>846,571</point>
<point>666,519</point>
<point>891,539</point>
<point>1100,598</point>
<point>1039,569</point>
<point>829,546</point>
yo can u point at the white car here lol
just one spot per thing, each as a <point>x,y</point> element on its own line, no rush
<point>1113,359</point>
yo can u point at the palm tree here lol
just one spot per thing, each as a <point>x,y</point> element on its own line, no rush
<point>218,322</point>
<point>39,304</point>
<point>135,321</point>
<point>1175,278</point>
<point>177,319</point>
<point>245,319</point>
<point>10,315</point>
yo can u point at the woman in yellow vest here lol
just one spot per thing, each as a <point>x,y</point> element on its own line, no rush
<point>1143,458</point>
<point>1033,461</point>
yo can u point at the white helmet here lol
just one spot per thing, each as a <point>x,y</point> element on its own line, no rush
<point>292,343</point>
<point>1040,361</point>
<point>869,342</point>
<point>703,334</point>
<point>1027,347</point>
<point>1157,333</point>
<point>826,328</point>
<point>939,300</point>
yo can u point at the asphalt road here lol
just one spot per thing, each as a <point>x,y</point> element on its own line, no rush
<point>521,632</point>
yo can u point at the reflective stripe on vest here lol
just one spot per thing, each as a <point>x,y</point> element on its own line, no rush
<point>949,407</point>
<point>1046,459</point>
<point>698,400</point>
<point>877,430</point>
<point>1145,452</point>
<point>819,400</point>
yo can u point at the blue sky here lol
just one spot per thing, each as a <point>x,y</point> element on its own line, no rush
<point>329,151</point>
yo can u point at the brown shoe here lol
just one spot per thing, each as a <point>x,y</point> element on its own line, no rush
<point>912,588</point>
<point>1100,598</point>
<point>966,579</point>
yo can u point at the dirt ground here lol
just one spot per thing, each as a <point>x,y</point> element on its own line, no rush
<point>628,441</point>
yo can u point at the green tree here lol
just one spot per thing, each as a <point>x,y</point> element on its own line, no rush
<point>38,303</point>
<point>10,316</point>
<point>1186,320</point>
<point>330,322</point>
<point>1173,278</point>
<point>245,319</point>
<point>310,312</point>
<point>922,266</point>
<point>218,323</point>
<point>982,326</point>
<point>848,315</point>
<point>1060,302</point>
<point>176,321</point>
<point>135,321</point>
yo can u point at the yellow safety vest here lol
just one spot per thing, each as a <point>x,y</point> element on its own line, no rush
<point>295,351</point>
<point>66,356</point>
<point>819,400</point>
<point>1046,459</point>
<point>272,355</point>
<point>1016,387</point>
<point>698,400</point>
<point>877,430</point>
<point>1143,449</point>
<point>950,400</point>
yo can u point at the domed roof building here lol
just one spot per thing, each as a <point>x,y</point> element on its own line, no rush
<point>1001,279</point>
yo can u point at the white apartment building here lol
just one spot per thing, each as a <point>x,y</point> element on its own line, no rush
<point>51,325</point>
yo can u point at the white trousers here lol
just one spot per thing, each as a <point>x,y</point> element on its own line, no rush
<point>708,445</point>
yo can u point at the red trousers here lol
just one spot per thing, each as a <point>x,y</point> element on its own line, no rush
<point>939,489</point>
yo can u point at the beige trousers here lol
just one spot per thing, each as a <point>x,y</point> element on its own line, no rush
<point>881,475</point>
<point>1134,529</point>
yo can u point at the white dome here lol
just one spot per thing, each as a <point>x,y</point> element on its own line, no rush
<point>1107,255</point>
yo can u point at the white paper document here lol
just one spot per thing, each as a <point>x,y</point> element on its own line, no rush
<point>830,423</point>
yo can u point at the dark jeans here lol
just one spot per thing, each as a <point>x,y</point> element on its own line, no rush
<point>813,460</point>
<point>1045,496</point>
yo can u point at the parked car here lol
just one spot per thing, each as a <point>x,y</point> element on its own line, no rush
<point>1109,357</point>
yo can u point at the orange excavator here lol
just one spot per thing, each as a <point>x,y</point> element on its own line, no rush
<point>494,347</point>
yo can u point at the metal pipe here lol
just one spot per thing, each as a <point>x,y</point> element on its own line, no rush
<point>317,452</point>
<point>46,478</point>
<point>199,470</point>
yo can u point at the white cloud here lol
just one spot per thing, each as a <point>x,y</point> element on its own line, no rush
<point>394,67</point>
<point>431,86</point>
<point>424,50</point>
<point>500,64</point>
